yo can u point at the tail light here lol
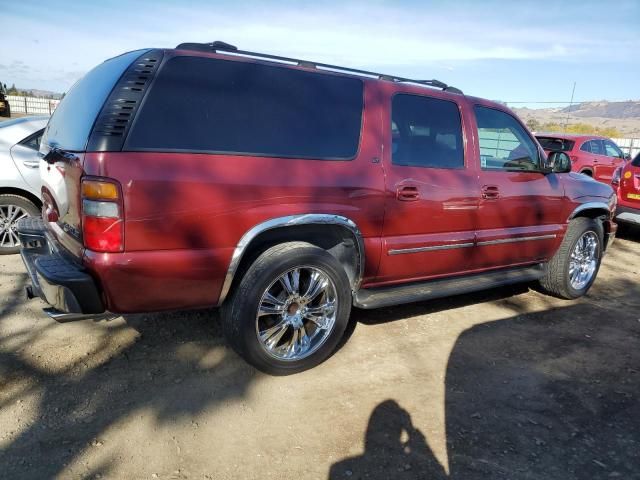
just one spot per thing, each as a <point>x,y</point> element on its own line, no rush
<point>617,175</point>
<point>102,215</point>
<point>574,158</point>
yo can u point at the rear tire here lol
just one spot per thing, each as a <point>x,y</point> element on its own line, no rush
<point>12,209</point>
<point>574,267</point>
<point>274,321</point>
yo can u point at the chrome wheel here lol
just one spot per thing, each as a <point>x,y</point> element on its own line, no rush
<point>9,216</point>
<point>584,260</point>
<point>296,313</point>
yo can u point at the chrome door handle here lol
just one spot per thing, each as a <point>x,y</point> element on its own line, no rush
<point>407,194</point>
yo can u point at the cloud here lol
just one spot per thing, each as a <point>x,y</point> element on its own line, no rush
<point>375,35</point>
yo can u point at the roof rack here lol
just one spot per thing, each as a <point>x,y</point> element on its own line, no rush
<point>218,46</point>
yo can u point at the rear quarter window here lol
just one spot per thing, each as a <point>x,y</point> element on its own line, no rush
<point>207,105</point>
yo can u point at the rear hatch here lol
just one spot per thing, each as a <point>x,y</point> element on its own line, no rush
<point>629,193</point>
<point>65,142</point>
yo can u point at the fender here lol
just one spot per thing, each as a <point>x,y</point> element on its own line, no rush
<point>589,206</point>
<point>292,221</point>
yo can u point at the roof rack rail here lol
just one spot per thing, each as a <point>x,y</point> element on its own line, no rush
<point>219,46</point>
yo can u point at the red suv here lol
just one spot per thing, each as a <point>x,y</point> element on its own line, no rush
<point>597,157</point>
<point>627,181</point>
<point>287,192</point>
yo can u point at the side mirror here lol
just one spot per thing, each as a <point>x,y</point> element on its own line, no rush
<point>558,162</point>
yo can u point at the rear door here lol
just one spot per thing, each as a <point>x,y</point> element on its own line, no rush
<point>602,165</point>
<point>432,189</point>
<point>521,215</point>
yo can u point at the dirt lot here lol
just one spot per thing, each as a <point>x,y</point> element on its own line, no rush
<point>501,384</point>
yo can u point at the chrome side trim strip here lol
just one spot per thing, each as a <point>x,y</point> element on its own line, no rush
<point>401,251</point>
<point>589,206</point>
<point>291,221</point>
<point>515,239</point>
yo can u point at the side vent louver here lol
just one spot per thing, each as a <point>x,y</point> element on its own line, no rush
<point>114,120</point>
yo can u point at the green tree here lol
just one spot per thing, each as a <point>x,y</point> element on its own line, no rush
<point>532,124</point>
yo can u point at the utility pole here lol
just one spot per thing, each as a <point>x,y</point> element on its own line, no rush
<point>566,122</point>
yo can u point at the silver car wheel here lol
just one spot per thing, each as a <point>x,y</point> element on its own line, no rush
<point>9,216</point>
<point>584,260</point>
<point>296,313</point>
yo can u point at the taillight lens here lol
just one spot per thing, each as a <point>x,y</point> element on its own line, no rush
<point>102,215</point>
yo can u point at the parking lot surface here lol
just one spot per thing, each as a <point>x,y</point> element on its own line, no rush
<point>507,383</point>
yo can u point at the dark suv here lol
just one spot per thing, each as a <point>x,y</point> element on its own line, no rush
<point>5,108</point>
<point>286,192</point>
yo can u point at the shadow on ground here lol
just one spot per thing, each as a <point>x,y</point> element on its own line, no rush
<point>177,367</point>
<point>548,395</point>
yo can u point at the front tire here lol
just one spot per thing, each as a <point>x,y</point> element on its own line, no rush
<point>12,209</point>
<point>574,267</point>
<point>290,309</point>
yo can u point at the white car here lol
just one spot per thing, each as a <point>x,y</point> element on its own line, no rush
<point>19,176</point>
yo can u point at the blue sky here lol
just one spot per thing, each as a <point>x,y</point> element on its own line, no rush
<point>509,50</point>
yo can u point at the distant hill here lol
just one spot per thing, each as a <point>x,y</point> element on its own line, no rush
<point>623,116</point>
<point>604,109</point>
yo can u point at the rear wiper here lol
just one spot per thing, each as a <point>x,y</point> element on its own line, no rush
<point>57,154</point>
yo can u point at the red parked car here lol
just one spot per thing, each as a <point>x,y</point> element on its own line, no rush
<point>627,182</point>
<point>287,192</point>
<point>597,157</point>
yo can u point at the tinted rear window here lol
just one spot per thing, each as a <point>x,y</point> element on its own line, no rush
<point>556,144</point>
<point>636,161</point>
<point>426,132</point>
<point>73,119</point>
<point>218,106</point>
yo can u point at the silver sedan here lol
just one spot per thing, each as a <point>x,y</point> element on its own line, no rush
<point>19,176</point>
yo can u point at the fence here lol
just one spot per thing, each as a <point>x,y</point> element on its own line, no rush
<point>32,105</point>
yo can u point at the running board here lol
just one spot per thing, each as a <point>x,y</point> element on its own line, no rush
<point>63,317</point>
<point>415,292</point>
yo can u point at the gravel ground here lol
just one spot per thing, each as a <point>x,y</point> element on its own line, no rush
<point>507,383</point>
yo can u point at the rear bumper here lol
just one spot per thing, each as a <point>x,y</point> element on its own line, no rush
<point>628,215</point>
<point>55,276</point>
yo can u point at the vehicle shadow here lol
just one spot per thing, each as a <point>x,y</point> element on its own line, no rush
<point>550,395</point>
<point>168,368</point>
<point>628,232</point>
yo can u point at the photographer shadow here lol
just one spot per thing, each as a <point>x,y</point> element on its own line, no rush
<point>393,449</point>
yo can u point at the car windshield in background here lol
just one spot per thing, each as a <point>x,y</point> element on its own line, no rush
<point>556,144</point>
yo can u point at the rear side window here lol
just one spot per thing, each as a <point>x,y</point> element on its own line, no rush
<point>218,106</point>
<point>556,144</point>
<point>426,132</point>
<point>33,141</point>
<point>593,146</point>
<point>504,143</point>
<point>73,119</point>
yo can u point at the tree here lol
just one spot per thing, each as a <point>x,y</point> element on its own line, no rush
<point>533,124</point>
